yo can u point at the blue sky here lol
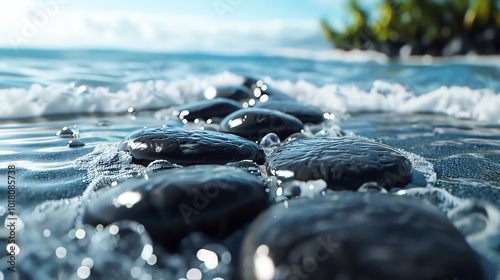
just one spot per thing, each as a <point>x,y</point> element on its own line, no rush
<point>237,9</point>
<point>190,25</point>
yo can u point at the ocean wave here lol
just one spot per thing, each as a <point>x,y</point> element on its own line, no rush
<point>383,96</point>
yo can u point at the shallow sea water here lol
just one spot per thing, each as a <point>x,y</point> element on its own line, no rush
<point>443,116</point>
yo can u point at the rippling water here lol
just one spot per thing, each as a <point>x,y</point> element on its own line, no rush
<point>447,113</point>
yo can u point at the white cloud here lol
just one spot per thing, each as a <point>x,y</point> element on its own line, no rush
<point>67,28</point>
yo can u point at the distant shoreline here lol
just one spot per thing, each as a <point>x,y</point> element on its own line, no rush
<point>354,56</point>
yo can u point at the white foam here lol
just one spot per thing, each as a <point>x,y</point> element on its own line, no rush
<point>461,102</point>
<point>67,99</point>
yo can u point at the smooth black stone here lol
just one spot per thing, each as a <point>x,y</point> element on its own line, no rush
<point>237,93</point>
<point>215,200</point>
<point>189,147</point>
<point>357,236</point>
<point>305,113</point>
<point>207,109</point>
<point>255,123</point>
<point>344,163</point>
<point>264,89</point>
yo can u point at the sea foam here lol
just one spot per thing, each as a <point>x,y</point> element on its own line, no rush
<point>383,96</point>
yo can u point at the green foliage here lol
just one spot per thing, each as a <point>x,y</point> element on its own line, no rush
<point>425,25</point>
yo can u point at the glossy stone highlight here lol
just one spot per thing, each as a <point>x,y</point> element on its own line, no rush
<point>237,93</point>
<point>345,163</point>
<point>356,236</point>
<point>255,123</point>
<point>303,112</point>
<point>215,200</point>
<point>207,109</point>
<point>189,147</point>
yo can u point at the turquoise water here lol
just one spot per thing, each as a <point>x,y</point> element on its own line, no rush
<point>446,114</point>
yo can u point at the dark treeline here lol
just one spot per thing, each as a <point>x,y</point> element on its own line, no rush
<point>418,27</point>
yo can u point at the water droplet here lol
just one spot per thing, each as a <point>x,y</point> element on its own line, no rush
<point>88,262</point>
<point>152,260</point>
<point>75,143</point>
<point>147,251</point>
<point>15,221</point>
<point>13,248</point>
<point>61,252</point>
<point>67,132</point>
<point>210,258</point>
<point>194,274</point>
<point>80,234</point>
<point>83,272</point>
<point>114,229</point>
<point>269,143</point>
<point>135,272</point>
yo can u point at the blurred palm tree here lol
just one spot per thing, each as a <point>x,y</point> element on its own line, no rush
<point>437,27</point>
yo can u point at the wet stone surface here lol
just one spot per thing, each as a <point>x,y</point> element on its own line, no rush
<point>345,163</point>
<point>305,113</point>
<point>207,109</point>
<point>189,147</point>
<point>214,200</point>
<point>255,123</point>
<point>264,92</point>
<point>237,93</point>
<point>356,236</point>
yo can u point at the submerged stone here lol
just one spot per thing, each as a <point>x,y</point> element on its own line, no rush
<point>237,93</point>
<point>303,112</point>
<point>255,123</point>
<point>189,147</point>
<point>345,163</point>
<point>356,236</point>
<point>207,109</point>
<point>215,200</point>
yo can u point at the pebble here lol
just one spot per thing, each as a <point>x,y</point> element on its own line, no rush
<point>264,92</point>
<point>345,163</point>
<point>356,236</point>
<point>189,147</point>
<point>303,112</point>
<point>207,109</point>
<point>255,123</point>
<point>214,200</point>
<point>237,93</point>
